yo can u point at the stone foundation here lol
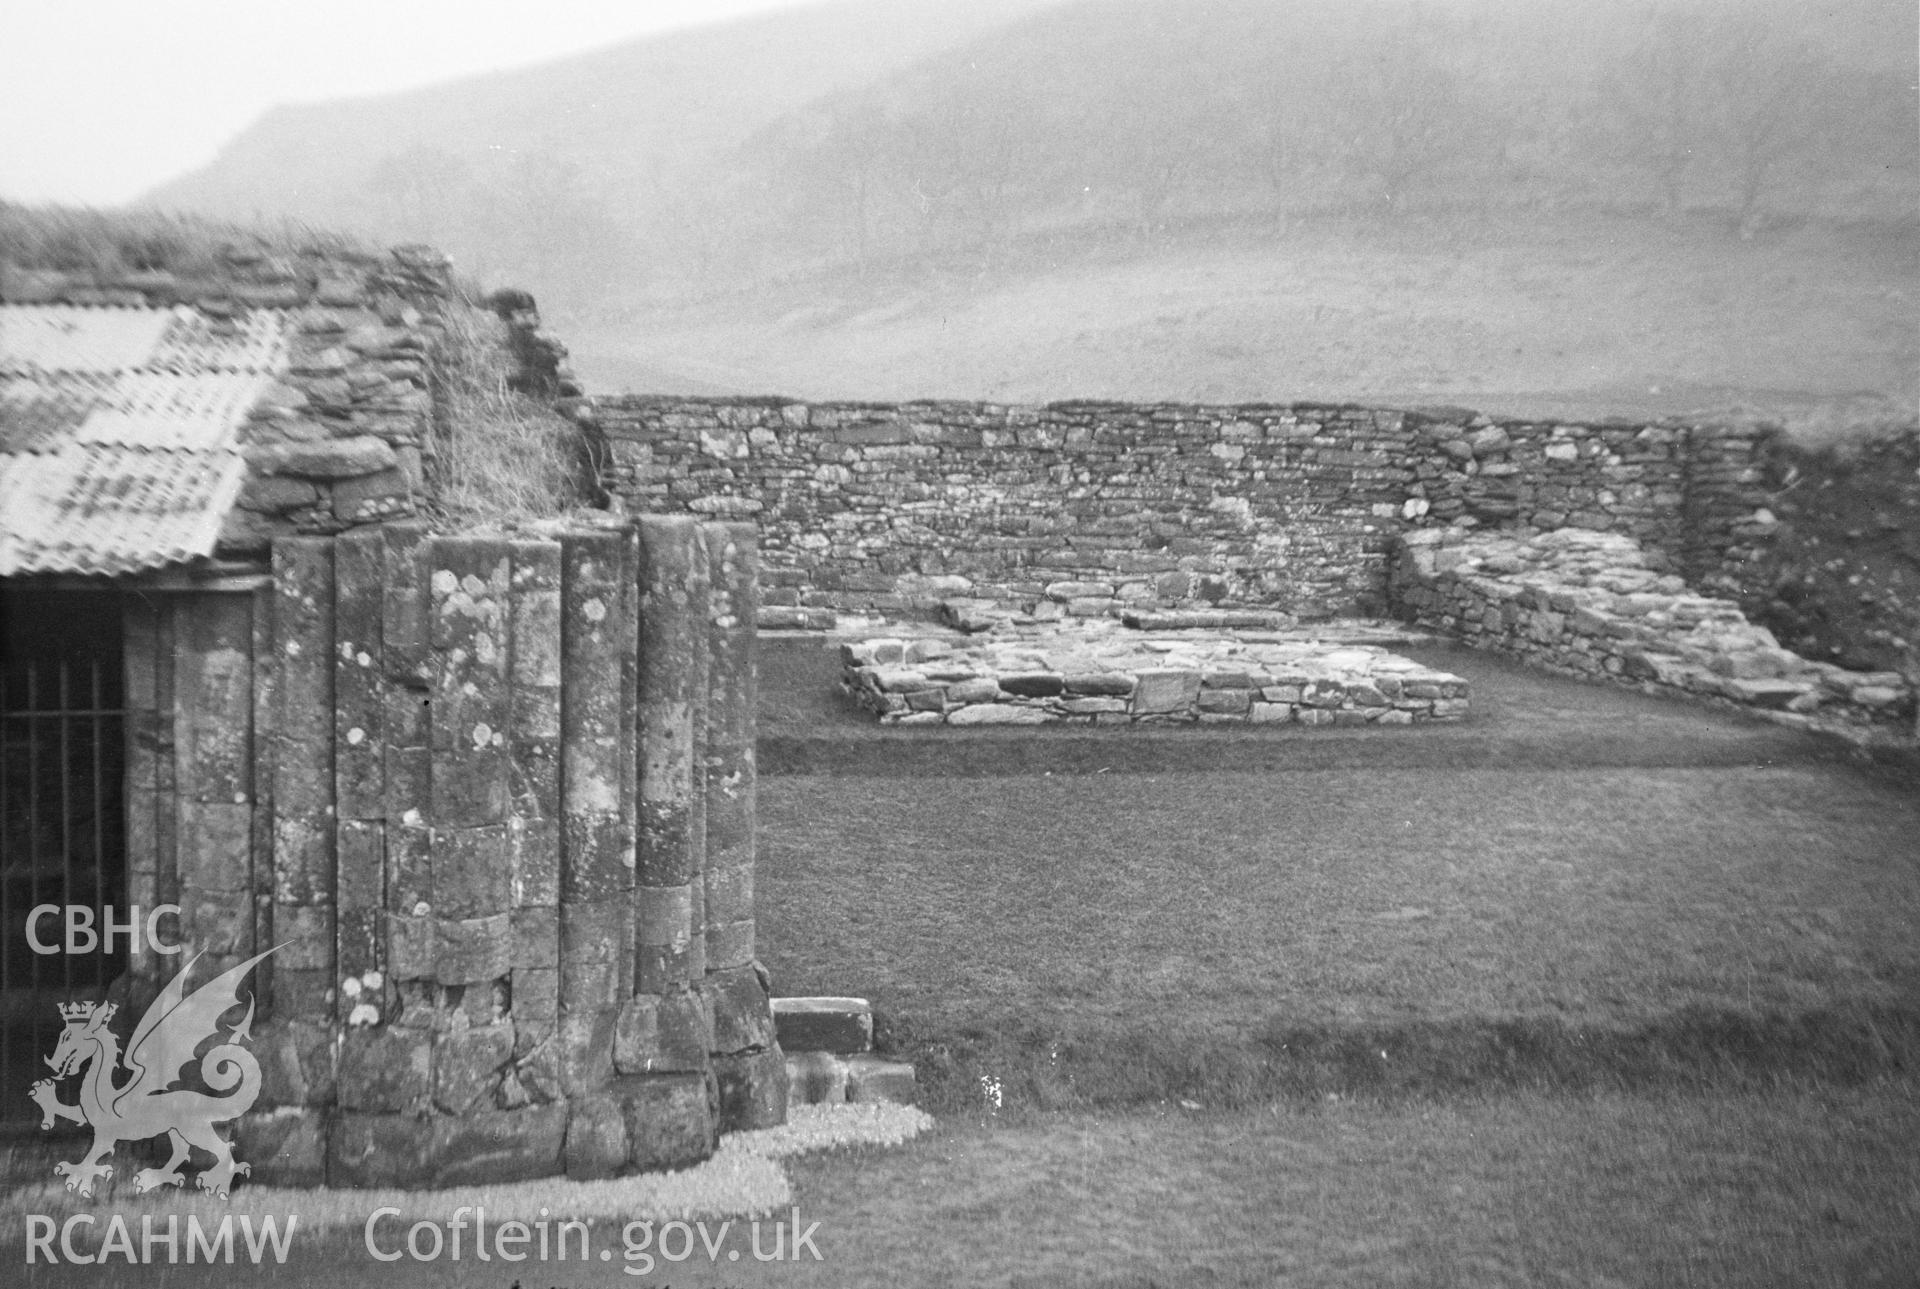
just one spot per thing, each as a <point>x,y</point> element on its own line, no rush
<point>1100,677</point>
<point>1596,604</point>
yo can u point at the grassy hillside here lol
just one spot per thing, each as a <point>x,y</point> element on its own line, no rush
<point>565,176</point>
<point>1147,111</point>
<point>1557,207</point>
<point>1582,313</point>
<point>867,132</point>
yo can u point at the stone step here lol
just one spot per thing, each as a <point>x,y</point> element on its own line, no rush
<point>842,1025</point>
<point>822,1078</point>
<point>1206,620</point>
<point>788,617</point>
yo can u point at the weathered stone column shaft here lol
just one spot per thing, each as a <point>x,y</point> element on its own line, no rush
<point>671,699</point>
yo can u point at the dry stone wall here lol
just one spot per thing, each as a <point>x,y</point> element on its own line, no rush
<point>1596,605</point>
<point>1100,508</point>
<point>494,797</point>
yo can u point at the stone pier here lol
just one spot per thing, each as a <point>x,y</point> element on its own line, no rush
<point>492,797</point>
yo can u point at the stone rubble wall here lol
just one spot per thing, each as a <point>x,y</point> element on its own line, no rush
<point>339,439</point>
<point>494,796</point>
<point>1598,605</point>
<point>1094,509</point>
<point>1155,681</point>
<point>540,367</point>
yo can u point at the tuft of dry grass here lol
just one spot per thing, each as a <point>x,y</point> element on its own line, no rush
<point>501,457</point>
<point>111,243</point>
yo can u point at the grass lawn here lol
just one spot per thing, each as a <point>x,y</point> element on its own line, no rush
<point>1199,921</point>
<point>1805,1188</point>
<point>1532,1002</point>
<point>1527,1190</point>
<point>1594,989</point>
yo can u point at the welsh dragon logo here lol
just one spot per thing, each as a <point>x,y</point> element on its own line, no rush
<point>147,1104</point>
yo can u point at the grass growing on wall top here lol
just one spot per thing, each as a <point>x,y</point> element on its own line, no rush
<point>501,456</point>
<point>108,244</point>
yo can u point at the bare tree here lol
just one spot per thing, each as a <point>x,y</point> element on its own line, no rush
<point>1404,119</point>
<point>1659,110</point>
<point>963,156</point>
<point>1154,139</point>
<point>1287,139</point>
<point>1774,96</point>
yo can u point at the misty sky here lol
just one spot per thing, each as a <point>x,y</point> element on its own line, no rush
<point>102,99</point>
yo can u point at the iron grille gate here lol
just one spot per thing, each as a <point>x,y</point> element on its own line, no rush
<point>63,759</point>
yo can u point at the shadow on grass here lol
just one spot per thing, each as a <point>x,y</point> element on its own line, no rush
<point>1692,1049</point>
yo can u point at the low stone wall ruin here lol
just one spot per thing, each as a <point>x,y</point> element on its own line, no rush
<point>1597,605</point>
<point>1074,678</point>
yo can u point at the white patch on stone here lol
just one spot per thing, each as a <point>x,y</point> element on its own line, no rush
<point>356,736</point>
<point>482,735</point>
<point>444,581</point>
<point>593,610</point>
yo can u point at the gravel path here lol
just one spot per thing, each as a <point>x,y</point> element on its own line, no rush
<point>743,1179</point>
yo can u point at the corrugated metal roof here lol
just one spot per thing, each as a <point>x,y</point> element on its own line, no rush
<point>93,508</point>
<point>159,409</point>
<point>119,432</point>
<point>38,413</point>
<point>194,342</point>
<point>66,337</point>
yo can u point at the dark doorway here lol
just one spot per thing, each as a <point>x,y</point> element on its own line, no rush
<point>63,841</point>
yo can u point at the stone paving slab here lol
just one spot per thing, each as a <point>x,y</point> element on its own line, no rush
<point>1095,674</point>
